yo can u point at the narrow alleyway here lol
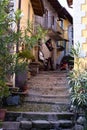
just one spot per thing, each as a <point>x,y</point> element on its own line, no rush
<point>48,91</point>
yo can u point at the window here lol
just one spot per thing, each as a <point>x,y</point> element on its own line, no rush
<point>46,17</point>
<point>60,43</point>
<point>52,20</point>
<point>61,23</point>
<point>60,46</point>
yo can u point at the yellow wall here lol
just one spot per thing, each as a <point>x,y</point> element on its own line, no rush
<point>66,25</point>
<point>28,14</point>
<point>84,21</point>
<point>84,32</point>
<point>83,61</point>
<point>27,10</point>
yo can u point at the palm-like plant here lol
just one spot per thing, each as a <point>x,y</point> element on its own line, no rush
<point>77,79</point>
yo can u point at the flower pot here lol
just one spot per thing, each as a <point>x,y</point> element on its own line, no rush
<point>2,114</point>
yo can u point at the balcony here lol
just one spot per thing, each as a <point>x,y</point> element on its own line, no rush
<point>55,31</point>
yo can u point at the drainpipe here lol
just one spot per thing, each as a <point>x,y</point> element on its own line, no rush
<point>18,27</point>
<point>19,4</point>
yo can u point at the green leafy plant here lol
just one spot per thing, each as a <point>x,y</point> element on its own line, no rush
<point>11,63</point>
<point>32,40</point>
<point>26,55</point>
<point>77,79</point>
<point>8,38</point>
<point>29,40</point>
<point>6,59</point>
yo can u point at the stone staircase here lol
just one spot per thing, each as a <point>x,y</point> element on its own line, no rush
<point>49,88</point>
<point>48,97</point>
<point>39,121</point>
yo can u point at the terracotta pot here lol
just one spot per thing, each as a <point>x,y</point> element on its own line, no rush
<point>2,114</point>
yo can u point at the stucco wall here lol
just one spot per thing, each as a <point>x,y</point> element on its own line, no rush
<point>78,25</point>
<point>84,21</point>
<point>27,12</point>
<point>25,7</point>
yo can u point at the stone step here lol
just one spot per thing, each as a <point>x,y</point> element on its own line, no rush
<point>49,116</point>
<point>47,102</point>
<point>51,101</point>
<point>50,88</point>
<point>27,125</point>
<point>58,73</point>
<point>38,120</point>
<point>50,81</point>
<point>48,98</point>
<point>42,107</point>
<point>11,125</point>
<point>51,91</point>
<point>45,77</point>
<point>59,77</point>
<point>48,85</point>
<point>48,77</point>
<point>38,125</point>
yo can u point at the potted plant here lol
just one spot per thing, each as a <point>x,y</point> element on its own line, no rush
<point>26,57</point>
<point>77,79</point>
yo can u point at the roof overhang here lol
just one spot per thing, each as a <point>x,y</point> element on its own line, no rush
<point>69,2</point>
<point>61,11</point>
<point>38,7</point>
